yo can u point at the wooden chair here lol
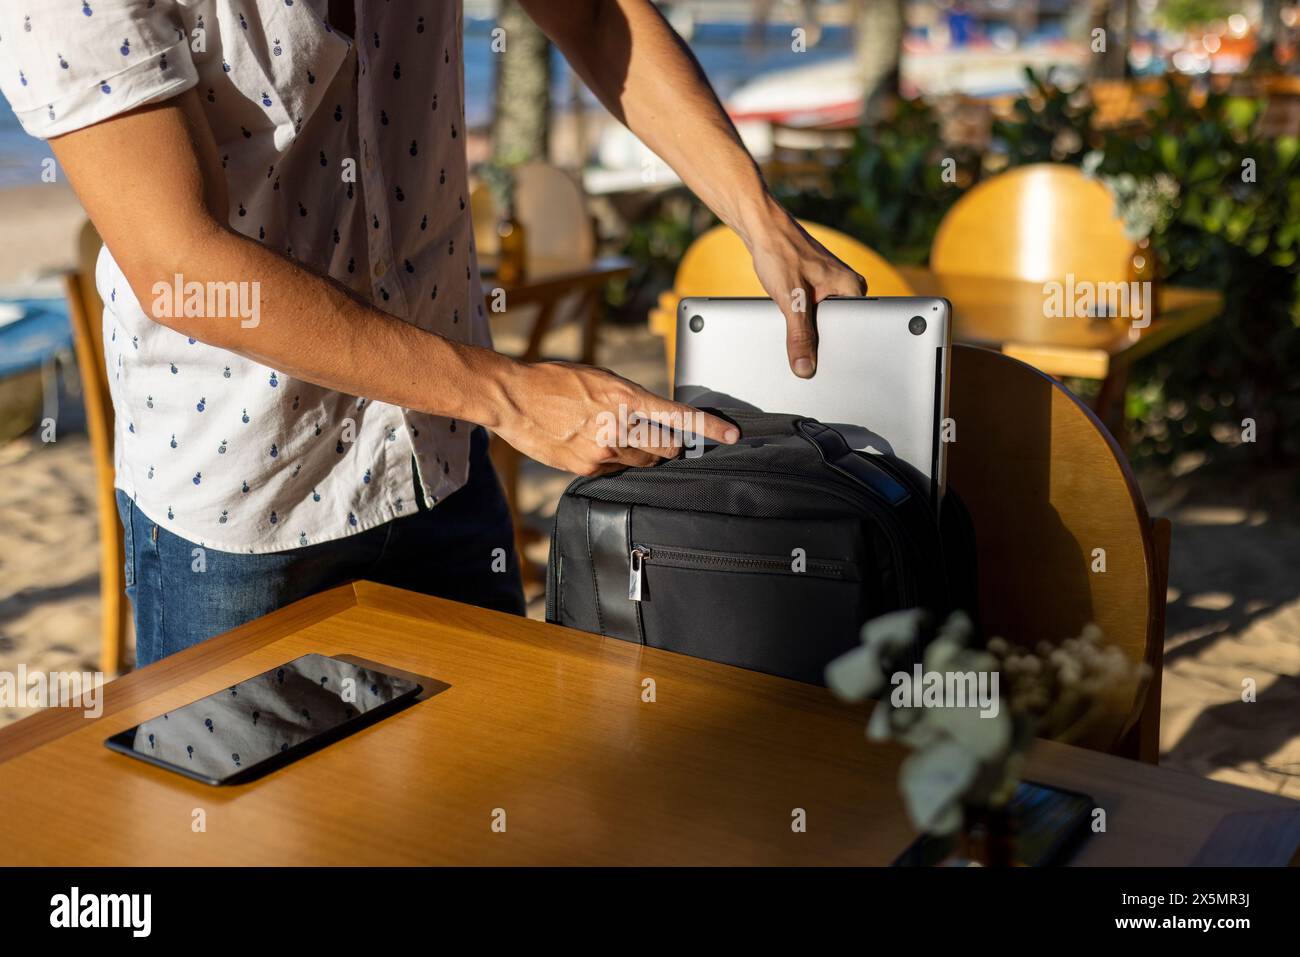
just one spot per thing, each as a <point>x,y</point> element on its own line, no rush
<point>806,157</point>
<point>1282,109</point>
<point>1121,104</point>
<point>1042,222</point>
<point>1046,487</point>
<point>719,264</point>
<point>86,315</point>
<point>968,120</point>
<point>552,208</point>
<point>1037,223</point>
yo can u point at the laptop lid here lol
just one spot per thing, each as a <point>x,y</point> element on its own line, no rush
<point>882,370</point>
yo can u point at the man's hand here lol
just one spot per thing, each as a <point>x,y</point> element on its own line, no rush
<point>591,422</point>
<point>798,272</point>
<point>647,77</point>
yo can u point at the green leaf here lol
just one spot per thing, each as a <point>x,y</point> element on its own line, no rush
<point>1287,148</point>
<point>1168,147</point>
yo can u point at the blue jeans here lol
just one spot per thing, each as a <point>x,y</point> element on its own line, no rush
<point>445,551</point>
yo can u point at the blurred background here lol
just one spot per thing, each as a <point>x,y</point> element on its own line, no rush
<point>873,118</point>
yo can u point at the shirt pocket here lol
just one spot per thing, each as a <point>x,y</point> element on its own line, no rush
<point>266,74</point>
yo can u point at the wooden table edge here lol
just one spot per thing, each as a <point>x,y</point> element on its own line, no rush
<point>1197,306</point>
<point>140,685</point>
<point>1043,762</point>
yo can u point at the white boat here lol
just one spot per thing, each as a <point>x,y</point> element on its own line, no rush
<point>830,94</point>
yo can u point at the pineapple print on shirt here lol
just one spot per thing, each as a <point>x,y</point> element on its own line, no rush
<point>217,448</point>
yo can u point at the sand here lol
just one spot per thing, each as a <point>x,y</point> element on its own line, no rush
<point>38,231</point>
<point>1234,597</point>
<point>1233,618</point>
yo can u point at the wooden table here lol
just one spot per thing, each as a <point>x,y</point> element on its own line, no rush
<point>1007,315</point>
<point>548,725</point>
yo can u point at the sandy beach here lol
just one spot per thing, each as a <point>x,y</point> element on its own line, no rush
<point>38,231</point>
<point>1234,596</point>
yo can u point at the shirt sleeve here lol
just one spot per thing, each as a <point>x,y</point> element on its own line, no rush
<point>67,64</point>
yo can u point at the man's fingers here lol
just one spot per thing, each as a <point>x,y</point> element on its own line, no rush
<point>845,283</point>
<point>801,332</point>
<point>687,422</point>
<point>656,429</point>
<point>636,458</point>
<point>801,318</point>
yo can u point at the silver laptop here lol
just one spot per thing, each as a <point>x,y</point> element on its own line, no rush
<point>882,370</point>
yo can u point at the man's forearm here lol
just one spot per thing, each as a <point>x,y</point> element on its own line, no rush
<point>645,75</point>
<point>162,214</point>
<point>647,78</point>
<point>311,327</point>
<point>152,181</point>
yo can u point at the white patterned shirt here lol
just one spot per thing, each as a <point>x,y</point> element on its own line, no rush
<point>214,447</point>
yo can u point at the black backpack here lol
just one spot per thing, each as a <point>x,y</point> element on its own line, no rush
<point>764,556</point>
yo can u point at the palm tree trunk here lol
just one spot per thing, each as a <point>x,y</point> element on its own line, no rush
<point>878,44</point>
<point>1112,63</point>
<point>521,122</point>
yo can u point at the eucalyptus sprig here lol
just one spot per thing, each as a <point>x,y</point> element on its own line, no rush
<point>1078,691</point>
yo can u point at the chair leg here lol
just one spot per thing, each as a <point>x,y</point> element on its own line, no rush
<point>112,589</point>
<point>1110,402</point>
<point>590,326</point>
<point>1142,741</point>
<point>1149,724</point>
<point>506,459</point>
<point>541,326</point>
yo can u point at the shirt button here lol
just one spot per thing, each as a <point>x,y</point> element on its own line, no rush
<point>380,268</point>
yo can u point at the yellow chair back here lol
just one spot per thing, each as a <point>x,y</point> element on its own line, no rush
<point>718,264</point>
<point>1038,223</point>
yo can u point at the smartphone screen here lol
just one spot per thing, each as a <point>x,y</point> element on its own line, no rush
<point>1050,824</point>
<point>267,721</point>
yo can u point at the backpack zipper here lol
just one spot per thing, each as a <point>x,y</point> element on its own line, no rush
<point>636,560</point>
<point>852,494</point>
<point>677,557</point>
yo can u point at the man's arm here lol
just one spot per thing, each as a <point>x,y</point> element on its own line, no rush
<point>647,77</point>
<point>152,184</point>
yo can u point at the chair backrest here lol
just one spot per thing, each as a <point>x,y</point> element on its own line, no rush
<point>552,208</point>
<point>1061,529</point>
<point>719,264</point>
<point>1282,110</point>
<point>806,157</point>
<point>86,315</point>
<point>1118,102</point>
<point>1038,223</point>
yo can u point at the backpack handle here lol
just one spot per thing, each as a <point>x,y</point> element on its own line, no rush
<point>830,444</point>
<point>840,456</point>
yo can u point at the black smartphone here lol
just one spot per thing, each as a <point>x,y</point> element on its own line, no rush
<point>268,721</point>
<point>1051,823</point>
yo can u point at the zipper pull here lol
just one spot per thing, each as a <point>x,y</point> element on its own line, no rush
<point>635,562</point>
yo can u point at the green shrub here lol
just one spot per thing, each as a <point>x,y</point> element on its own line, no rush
<point>1224,231</point>
<point>1234,227</point>
<point>894,187</point>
